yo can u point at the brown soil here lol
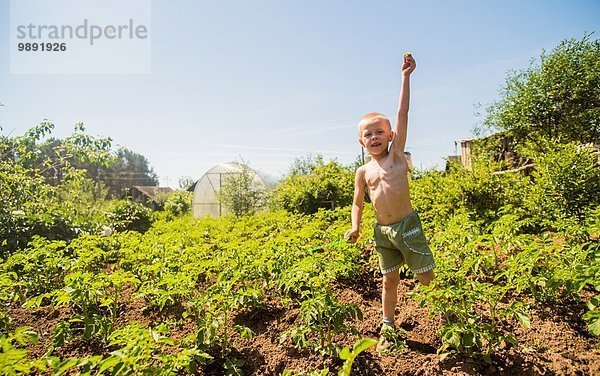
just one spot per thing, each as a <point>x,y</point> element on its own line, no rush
<point>556,344</point>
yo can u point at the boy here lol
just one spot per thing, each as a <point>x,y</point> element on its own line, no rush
<point>398,234</point>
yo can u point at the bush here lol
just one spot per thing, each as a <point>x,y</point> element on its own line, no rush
<point>20,229</point>
<point>315,186</point>
<point>178,203</point>
<point>127,215</point>
<point>438,195</point>
<point>565,183</point>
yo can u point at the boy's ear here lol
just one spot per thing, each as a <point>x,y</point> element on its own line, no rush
<point>360,141</point>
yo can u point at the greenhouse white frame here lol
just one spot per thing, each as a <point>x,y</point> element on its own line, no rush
<point>205,200</point>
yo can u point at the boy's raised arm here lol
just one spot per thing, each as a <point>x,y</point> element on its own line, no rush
<point>408,67</point>
<point>357,205</point>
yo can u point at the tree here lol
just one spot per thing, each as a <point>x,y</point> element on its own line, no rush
<point>304,165</point>
<point>114,173</point>
<point>46,194</point>
<point>49,187</point>
<point>186,182</point>
<point>242,193</point>
<point>127,169</point>
<point>557,99</point>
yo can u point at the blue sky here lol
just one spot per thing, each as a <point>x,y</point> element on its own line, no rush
<point>268,81</point>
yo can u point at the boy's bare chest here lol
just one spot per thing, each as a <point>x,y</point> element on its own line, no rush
<point>389,173</point>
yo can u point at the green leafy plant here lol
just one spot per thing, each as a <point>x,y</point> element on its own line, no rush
<point>168,290</point>
<point>127,215</point>
<point>318,372</point>
<point>139,350</point>
<point>38,269</point>
<point>393,341</point>
<point>90,294</point>
<point>233,366</point>
<point>213,310</point>
<point>593,316</point>
<point>13,357</point>
<point>349,356</point>
<point>322,317</point>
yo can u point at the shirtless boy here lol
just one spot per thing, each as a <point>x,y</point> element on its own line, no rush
<point>398,234</point>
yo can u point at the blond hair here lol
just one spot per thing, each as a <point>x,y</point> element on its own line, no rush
<point>373,117</point>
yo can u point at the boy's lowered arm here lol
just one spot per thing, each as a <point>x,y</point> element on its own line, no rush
<point>357,205</point>
<point>403,103</point>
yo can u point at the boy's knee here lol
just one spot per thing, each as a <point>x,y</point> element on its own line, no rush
<point>426,278</point>
<point>391,280</point>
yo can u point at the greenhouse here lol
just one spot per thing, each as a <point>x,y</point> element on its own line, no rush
<point>206,200</point>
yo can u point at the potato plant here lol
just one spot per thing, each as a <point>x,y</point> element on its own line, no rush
<point>492,257</point>
<point>321,318</point>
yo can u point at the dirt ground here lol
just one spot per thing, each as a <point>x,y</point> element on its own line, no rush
<point>556,344</point>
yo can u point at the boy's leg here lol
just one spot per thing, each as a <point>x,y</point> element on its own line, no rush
<point>389,293</point>
<point>389,298</point>
<point>427,277</point>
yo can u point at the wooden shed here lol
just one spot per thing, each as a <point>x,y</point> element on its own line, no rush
<point>503,149</point>
<point>147,194</point>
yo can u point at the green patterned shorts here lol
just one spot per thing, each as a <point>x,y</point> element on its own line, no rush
<point>403,242</point>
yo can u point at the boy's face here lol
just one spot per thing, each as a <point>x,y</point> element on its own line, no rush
<point>376,136</point>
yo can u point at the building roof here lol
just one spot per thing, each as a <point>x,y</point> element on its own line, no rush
<point>151,191</point>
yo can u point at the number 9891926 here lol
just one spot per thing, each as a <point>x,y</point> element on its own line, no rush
<point>42,47</point>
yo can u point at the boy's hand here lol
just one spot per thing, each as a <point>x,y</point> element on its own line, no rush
<point>409,65</point>
<point>351,235</point>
